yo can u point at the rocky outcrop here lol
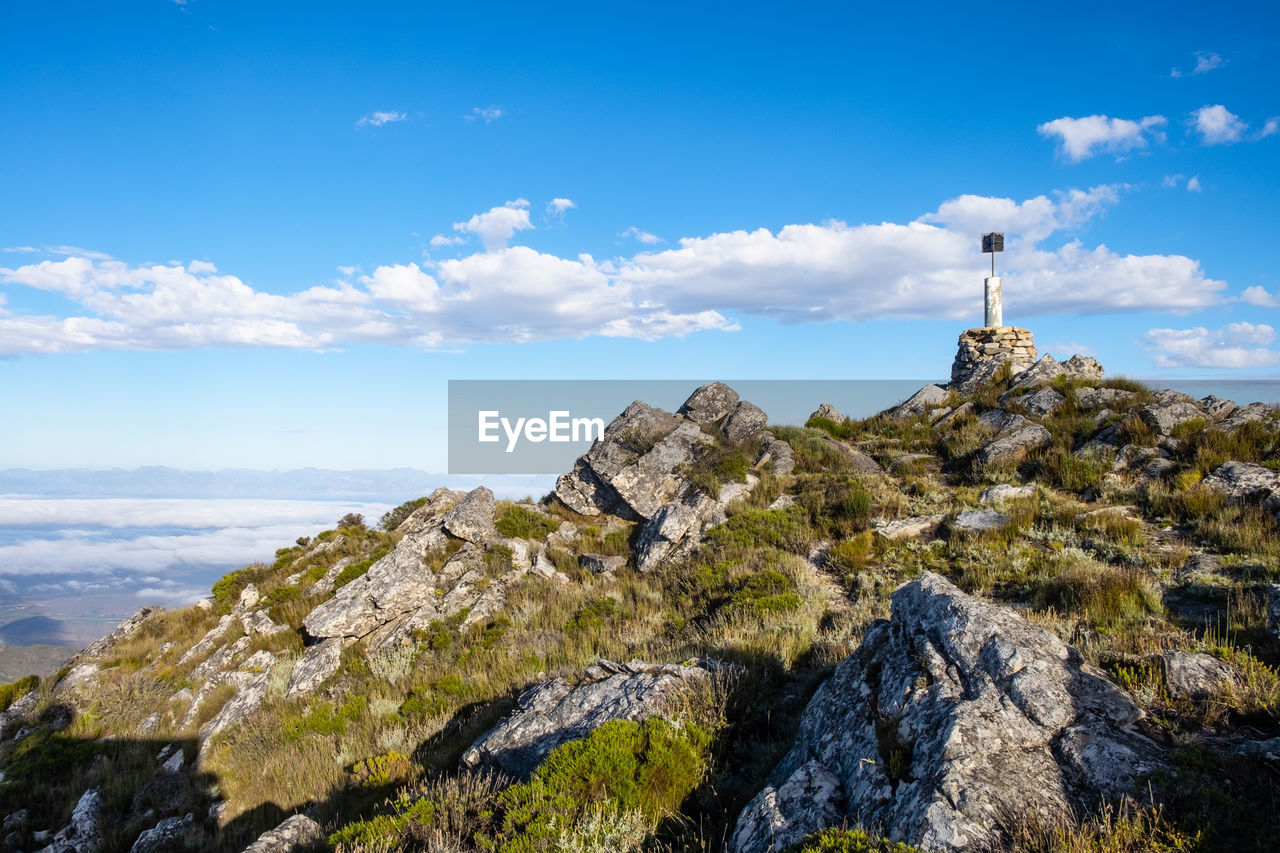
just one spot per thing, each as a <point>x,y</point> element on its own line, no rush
<point>84,833</point>
<point>472,518</point>
<point>952,718</point>
<point>677,528</point>
<point>297,834</point>
<point>1245,482</point>
<point>123,631</point>
<point>1164,417</point>
<point>1197,676</point>
<point>828,412</point>
<point>316,664</point>
<point>1048,369</point>
<point>709,403</point>
<point>928,397</point>
<point>745,422</point>
<point>1252,413</point>
<point>1015,436</point>
<point>557,712</point>
<point>165,836</point>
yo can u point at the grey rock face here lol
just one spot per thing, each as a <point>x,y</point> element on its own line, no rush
<point>928,397</point>
<point>951,717</point>
<point>166,835</point>
<point>960,412</point>
<point>745,422</point>
<point>472,518</point>
<point>123,631</point>
<point>627,439</point>
<point>1045,370</point>
<point>1015,436</point>
<point>985,372</point>
<point>1245,482</point>
<point>1093,398</point>
<point>828,412</point>
<point>779,454</point>
<point>1083,367</point>
<point>1245,414</point>
<point>238,708</point>
<point>1215,408</point>
<point>84,833</point>
<point>909,528</point>
<point>208,642</point>
<point>1196,676</point>
<point>676,524</point>
<point>980,520</point>
<point>556,712</point>
<point>1044,402</point>
<point>600,563</point>
<point>709,403</point>
<point>294,835</point>
<point>1163,417</point>
<point>316,664</point>
<point>1005,492</point>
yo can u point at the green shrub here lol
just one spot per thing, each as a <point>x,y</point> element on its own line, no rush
<point>15,690</point>
<point>593,615</point>
<point>351,572</point>
<point>521,522</point>
<point>848,841</point>
<point>324,719</point>
<point>227,589</point>
<point>391,519</point>
<point>380,770</point>
<point>786,530</point>
<point>769,591</point>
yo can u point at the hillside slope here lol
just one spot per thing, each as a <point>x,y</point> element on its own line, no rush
<point>1039,615</point>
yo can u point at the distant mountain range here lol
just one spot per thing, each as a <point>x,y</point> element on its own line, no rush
<point>389,485</point>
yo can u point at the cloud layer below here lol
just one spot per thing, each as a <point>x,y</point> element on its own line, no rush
<point>514,293</point>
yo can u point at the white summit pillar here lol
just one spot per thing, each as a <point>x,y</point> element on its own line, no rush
<point>995,311</point>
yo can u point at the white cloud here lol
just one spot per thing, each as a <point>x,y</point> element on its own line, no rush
<point>380,117</point>
<point>497,225</point>
<point>1237,345</point>
<point>1081,138</point>
<point>643,236</point>
<point>1206,61</point>
<point>1171,181</point>
<point>929,267</point>
<point>443,240</point>
<point>486,114</point>
<point>1269,128</point>
<point>1193,184</point>
<point>24,249</point>
<point>1259,296</point>
<point>557,206</point>
<point>1217,125</point>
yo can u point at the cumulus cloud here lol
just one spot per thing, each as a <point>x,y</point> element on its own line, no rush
<point>1236,345</point>
<point>380,117</point>
<point>929,267</point>
<point>1081,138</point>
<point>1193,184</point>
<point>498,225</point>
<point>1269,128</point>
<point>1259,296</point>
<point>557,206</point>
<point>1217,125</point>
<point>642,236</point>
<point>1206,61</point>
<point>485,114</point>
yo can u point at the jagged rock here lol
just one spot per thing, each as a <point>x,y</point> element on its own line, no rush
<point>249,597</point>
<point>908,528</point>
<point>985,372</point>
<point>709,403</point>
<point>1044,402</point>
<point>1015,435</point>
<point>826,411</point>
<point>1005,492</point>
<point>149,725</point>
<point>223,659</point>
<point>1163,417</point>
<point>783,502</point>
<point>745,422</point>
<point>316,664</point>
<point>928,397</point>
<point>174,763</point>
<point>80,676</point>
<point>1245,482</point>
<point>1196,676</point>
<point>166,835</point>
<point>860,462</point>
<point>778,453</point>
<point>472,518</point>
<point>238,708</point>
<point>218,679</point>
<point>1166,396</point>
<point>542,567</point>
<point>951,718</point>
<point>601,563</point>
<point>84,833</point>
<point>330,578</point>
<point>938,414</point>
<point>1215,408</point>
<point>979,520</point>
<point>259,623</point>
<point>960,412</point>
<point>1155,469</point>
<point>420,519</point>
<point>627,441</point>
<point>295,835</point>
<point>208,641</point>
<point>1048,368</point>
<point>1254,412</point>
<point>1092,398</point>
<point>13,717</point>
<point>123,631</point>
<point>557,712</point>
<point>677,523</point>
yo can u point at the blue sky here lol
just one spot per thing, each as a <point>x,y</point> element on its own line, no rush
<point>266,235</point>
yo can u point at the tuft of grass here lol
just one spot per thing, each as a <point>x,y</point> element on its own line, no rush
<point>520,522</point>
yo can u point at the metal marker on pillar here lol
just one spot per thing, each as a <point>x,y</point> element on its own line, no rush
<point>993,242</point>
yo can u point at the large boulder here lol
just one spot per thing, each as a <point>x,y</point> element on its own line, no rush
<point>952,718</point>
<point>1048,368</point>
<point>84,833</point>
<point>1252,413</point>
<point>1015,437</point>
<point>294,835</point>
<point>828,412</point>
<point>928,397</point>
<point>1245,482</point>
<point>472,518</point>
<point>677,528</point>
<point>556,712</point>
<point>709,404</point>
<point>1163,417</point>
<point>745,422</point>
<point>320,661</point>
<point>1197,676</point>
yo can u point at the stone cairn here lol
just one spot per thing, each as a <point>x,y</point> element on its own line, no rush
<point>1002,343</point>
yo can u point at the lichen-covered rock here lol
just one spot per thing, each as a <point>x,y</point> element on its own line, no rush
<point>1006,492</point>
<point>951,718</point>
<point>238,708</point>
<point>1197,676</point>
<point>908,528</point>
<point>778,454</point>
<point>557,712</point>
<point>828,412</point>
<point>297,834</point>
<point>601,563</point>
<point>976,520</point>
<point>1044,402</point>
<point>165,836</point>
<point>84,833</point>
<point>745,422</point>
<point>1245,482</point>
<point>209,641</point>
<point>316,664</point>
<point>472,518</point>
<point>1252,413</point>
<point>1015,436</point>
<point>928,397</point>
<point>1094,398</point>
<point>627,440</point>
<point>1215,408</point>
<point>709,403</point>
<point>675,525</point>
<point>1048,368</point>
<point>1163,417</point>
